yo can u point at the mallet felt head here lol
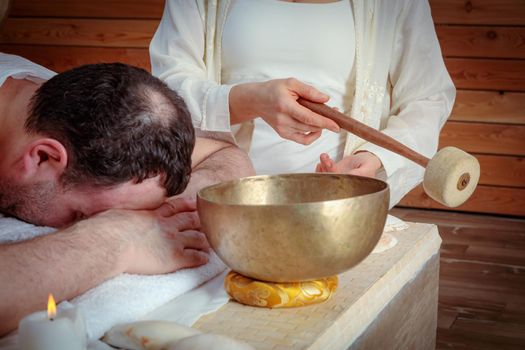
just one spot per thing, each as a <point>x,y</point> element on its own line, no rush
<point>451,176</point>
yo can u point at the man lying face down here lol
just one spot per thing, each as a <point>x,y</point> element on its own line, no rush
<point>95,138</point>
<point>110,143</point>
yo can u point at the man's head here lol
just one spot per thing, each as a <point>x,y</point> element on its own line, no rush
<point>96,137</point>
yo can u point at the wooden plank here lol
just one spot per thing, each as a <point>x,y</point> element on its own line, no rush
<point>489,107</point>
<point>462,339</point>
<point>502,170</point>
<point>473,291</point>
<point>4,12</point>
<point>514,312</point>
<point>60,58</point>
<point>505,255</point>
<point>479,41</point>
<point>487,74</point>
<point>473,308</point>
<point>499,139</point>
<point>501,269</point>
<point>79,32</point>
<point>481,236</point>
<point>488,268</point>
<point>503,12</point>
<point>486,199</point>
<point>461,220</point>
<point>504,329</point>
<point>95,8</point>
<point>452,249</point>
<point>446,318</point>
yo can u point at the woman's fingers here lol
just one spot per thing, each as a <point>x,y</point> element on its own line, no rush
<point>327,164</point>
<point>306,91</point>
<point>306,116</point>
<point>297,132</point>
<point>305,139</point>
<point>303,128</point>
<point>276,102</point>
<point>303,114</point>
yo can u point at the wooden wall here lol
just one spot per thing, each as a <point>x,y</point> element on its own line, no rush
<point>483,43</point>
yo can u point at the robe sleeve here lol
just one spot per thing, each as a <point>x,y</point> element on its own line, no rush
<point>422,97</point>
<point>177,57</point>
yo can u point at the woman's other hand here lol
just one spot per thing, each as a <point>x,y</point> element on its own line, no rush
<point>276,102</point>
<point>362,164</point>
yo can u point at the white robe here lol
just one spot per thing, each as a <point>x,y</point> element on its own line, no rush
<point>400,84</point>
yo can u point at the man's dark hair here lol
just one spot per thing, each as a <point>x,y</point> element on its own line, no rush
<point>117,123</point>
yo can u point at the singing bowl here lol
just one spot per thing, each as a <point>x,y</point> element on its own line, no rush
<point>294,227</point>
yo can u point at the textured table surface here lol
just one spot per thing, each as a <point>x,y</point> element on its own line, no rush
<point>362,293</point>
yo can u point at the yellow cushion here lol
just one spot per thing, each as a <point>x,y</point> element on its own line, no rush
<point>275,295</point>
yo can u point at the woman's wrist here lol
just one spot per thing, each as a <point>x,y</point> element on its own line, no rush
<point>241,102</point>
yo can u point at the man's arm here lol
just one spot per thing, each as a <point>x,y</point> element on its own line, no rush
<point>213,161</point>
<point>73,260</point>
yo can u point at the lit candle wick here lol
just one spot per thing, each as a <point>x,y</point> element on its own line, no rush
<point>51,307</point>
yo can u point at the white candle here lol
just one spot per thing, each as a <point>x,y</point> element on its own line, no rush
<point>65,331</point>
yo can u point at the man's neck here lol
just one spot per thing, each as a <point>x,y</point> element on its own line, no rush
<point>15,96</point>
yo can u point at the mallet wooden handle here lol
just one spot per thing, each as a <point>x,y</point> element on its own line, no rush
<point>365,132</point>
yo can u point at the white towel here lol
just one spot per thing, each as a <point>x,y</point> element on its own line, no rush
<point>13,230</point>
<point>190,307</point>
<point>124,298</point>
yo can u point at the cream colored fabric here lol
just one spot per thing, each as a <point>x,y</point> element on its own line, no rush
<point>400,84</point>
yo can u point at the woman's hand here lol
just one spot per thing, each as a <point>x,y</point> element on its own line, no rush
<point>362,164</point>
<point>276,102</point>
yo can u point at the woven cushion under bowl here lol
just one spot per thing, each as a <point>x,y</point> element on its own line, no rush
<point>278,295</point>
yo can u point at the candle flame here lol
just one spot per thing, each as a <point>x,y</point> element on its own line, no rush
<point>51,307</point>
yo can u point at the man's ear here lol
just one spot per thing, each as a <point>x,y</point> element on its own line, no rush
<point>44,159</point>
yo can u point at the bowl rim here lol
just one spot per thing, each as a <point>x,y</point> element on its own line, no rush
<point>200,196</point>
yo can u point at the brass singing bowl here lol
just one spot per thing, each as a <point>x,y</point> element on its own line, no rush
<point>294,227</point>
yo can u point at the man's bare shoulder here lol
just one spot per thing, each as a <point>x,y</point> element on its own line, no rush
<point>12,83</point>
<point>13,86</point>
<point>205,146</point>
<point>226,137</point>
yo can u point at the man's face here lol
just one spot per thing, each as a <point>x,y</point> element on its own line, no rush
<point>47,203</point>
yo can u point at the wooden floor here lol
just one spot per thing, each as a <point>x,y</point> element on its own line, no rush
<point>482,279</point>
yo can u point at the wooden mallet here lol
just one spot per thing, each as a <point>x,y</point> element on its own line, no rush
<point>451,176</point>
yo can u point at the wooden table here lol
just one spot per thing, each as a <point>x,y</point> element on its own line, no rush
<point>389,301</point>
